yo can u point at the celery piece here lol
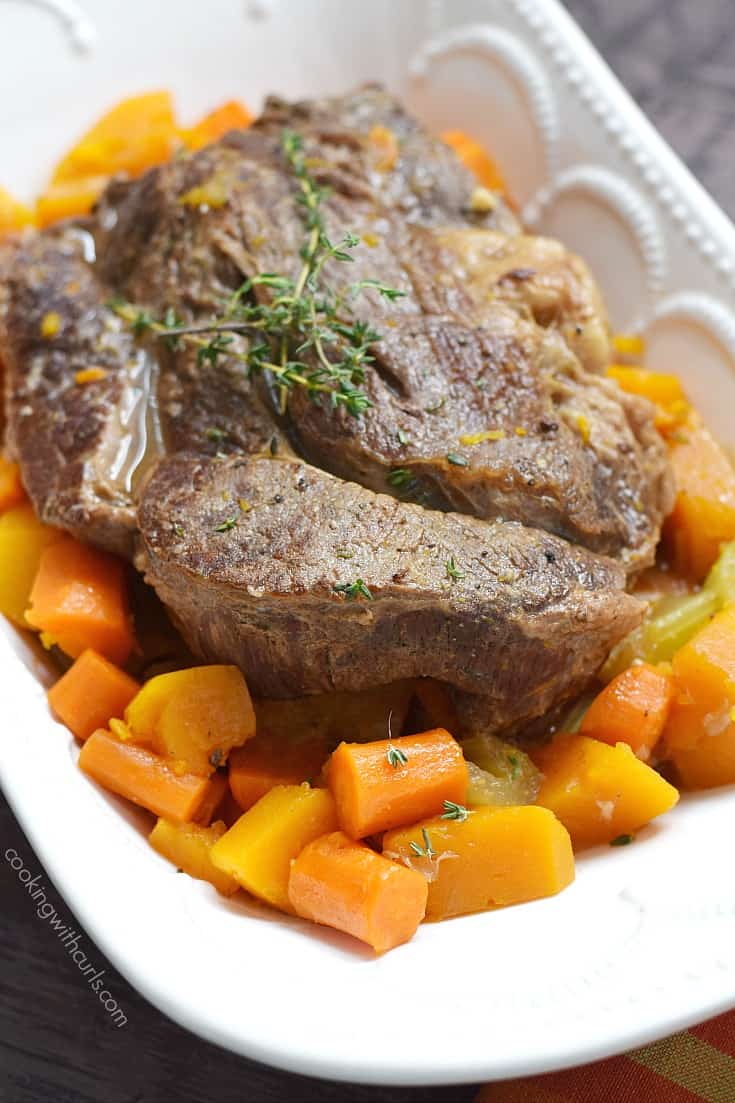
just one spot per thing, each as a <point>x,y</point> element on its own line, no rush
<point>721,579</point>
<point>673,622</point>
<point>499,772</point>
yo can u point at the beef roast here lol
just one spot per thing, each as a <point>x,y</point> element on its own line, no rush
<point>255,557</point>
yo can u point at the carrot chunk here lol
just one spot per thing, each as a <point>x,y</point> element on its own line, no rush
<point>12,492</point>
<point>69,198</point>
<point>488,858</point>
<point>232,115</point>
<point>13,215</point>
<point>258,850</point>
<point>189,846</point>
<point>91,693</point>
<point>265,762</point>
<point>476,159</point>
<point>346,885</point>
<point>703,517</point>
<point>599,792</point>
<point>632,709</point>
<point>386,784</point>
<point>79,600</point>
<point>145,779</point>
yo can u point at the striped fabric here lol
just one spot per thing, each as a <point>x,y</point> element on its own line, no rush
<point>696,1066</point>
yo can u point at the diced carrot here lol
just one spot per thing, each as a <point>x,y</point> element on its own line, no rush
<point>476,159</point>
<point>632,708</point>
<point>703,517</point>
<point>69,198</point>
<point>79,600</point>
<point>12,492</point>
<point>232,115</point>
<point>23,539</point>
<point>91,693</point>
<point>145,779</point>
<point>188,846</point>
<point>134,135</point>
<point>386,784</point>
<point>346,885</point>
<point>599,792</point>
<point>13,215</point>
<point>259,848</point>
<point>265,762</point>
<point>489,858</point>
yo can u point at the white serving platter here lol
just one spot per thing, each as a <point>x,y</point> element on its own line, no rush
<point>642,943</point>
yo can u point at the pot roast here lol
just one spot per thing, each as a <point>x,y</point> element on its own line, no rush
<point>477,523</point>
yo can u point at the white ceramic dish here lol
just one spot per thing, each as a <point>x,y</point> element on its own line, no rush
<point>642,943</point>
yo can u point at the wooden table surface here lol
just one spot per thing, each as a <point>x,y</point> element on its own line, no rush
<point>57,1044</point>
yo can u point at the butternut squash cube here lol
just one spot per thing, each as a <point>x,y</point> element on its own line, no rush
<point>189,847</point>
<point>267,761</point>
<point>493,858</point>
<point>22,540</point>
<point>597,791</point>
<point>193,717</point>
<point>258,850</point>
<point>700,734</point>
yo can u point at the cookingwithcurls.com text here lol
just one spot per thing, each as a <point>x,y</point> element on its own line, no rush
<point>68,937</point>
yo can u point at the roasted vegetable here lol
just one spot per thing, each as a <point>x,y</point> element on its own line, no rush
<point>597,791</point>
<point>146,779</point>
<point>259,848</point>
<point>230,116</point>
<point>672,622</point>
<point>343,884</point>
<point>189,847</point>
<point>11,487</point>
<point>22,540</point>
<point>491,858</point>
<point>193,717</point>
<point>91,693</point>
<point>476,158</point>
<point>700,734</point>
<point>79,600</point>
<point>13,215</point>
<point>503,774</point>
<point>632,708</point>
<point>381,785</point>
<point>267,761</point>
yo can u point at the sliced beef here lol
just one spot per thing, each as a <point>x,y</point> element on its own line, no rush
<point>85,440</point>
<point>249,554</point>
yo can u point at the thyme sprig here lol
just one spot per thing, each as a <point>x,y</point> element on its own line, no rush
<point>304,315</point>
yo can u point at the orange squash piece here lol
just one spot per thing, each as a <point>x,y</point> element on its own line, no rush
<point>23,539</point>
<point>493,858</point>
<point>597,791</point>
<point>704,514</point>
<point>700,734</point>
<point>346,885</point>
<point>131,137</point>
<point>661,388</point>
<point>79,601</point>
<point>259,848</point>
<point>476,159</point>
<point>232,115</point>
<point>91,693</point>
<point>386,784</point>
<point>632,708</point>
<point>188,846</point>
<point>12,492</point>
<point>145,779</point>
<point>69,198</point>
<point>13,215</point>
<point>193,717</point>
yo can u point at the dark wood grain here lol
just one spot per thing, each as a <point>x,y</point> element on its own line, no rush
<point>57,1044</point>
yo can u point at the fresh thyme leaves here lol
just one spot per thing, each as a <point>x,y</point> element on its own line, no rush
<point>425,851</point>
<point>353,590</point>
<point>395,756</point>
<point>402,437</point>
<point>622,840</point>
<point>226,525</point>
<point>304,315</point>
<point>215,434</point>
<point>515,766</point>
<point>453,570</point>
<point>454,811</point>
<point>457,459</point>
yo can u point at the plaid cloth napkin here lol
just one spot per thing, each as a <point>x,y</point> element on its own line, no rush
<point>696,1066</point>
